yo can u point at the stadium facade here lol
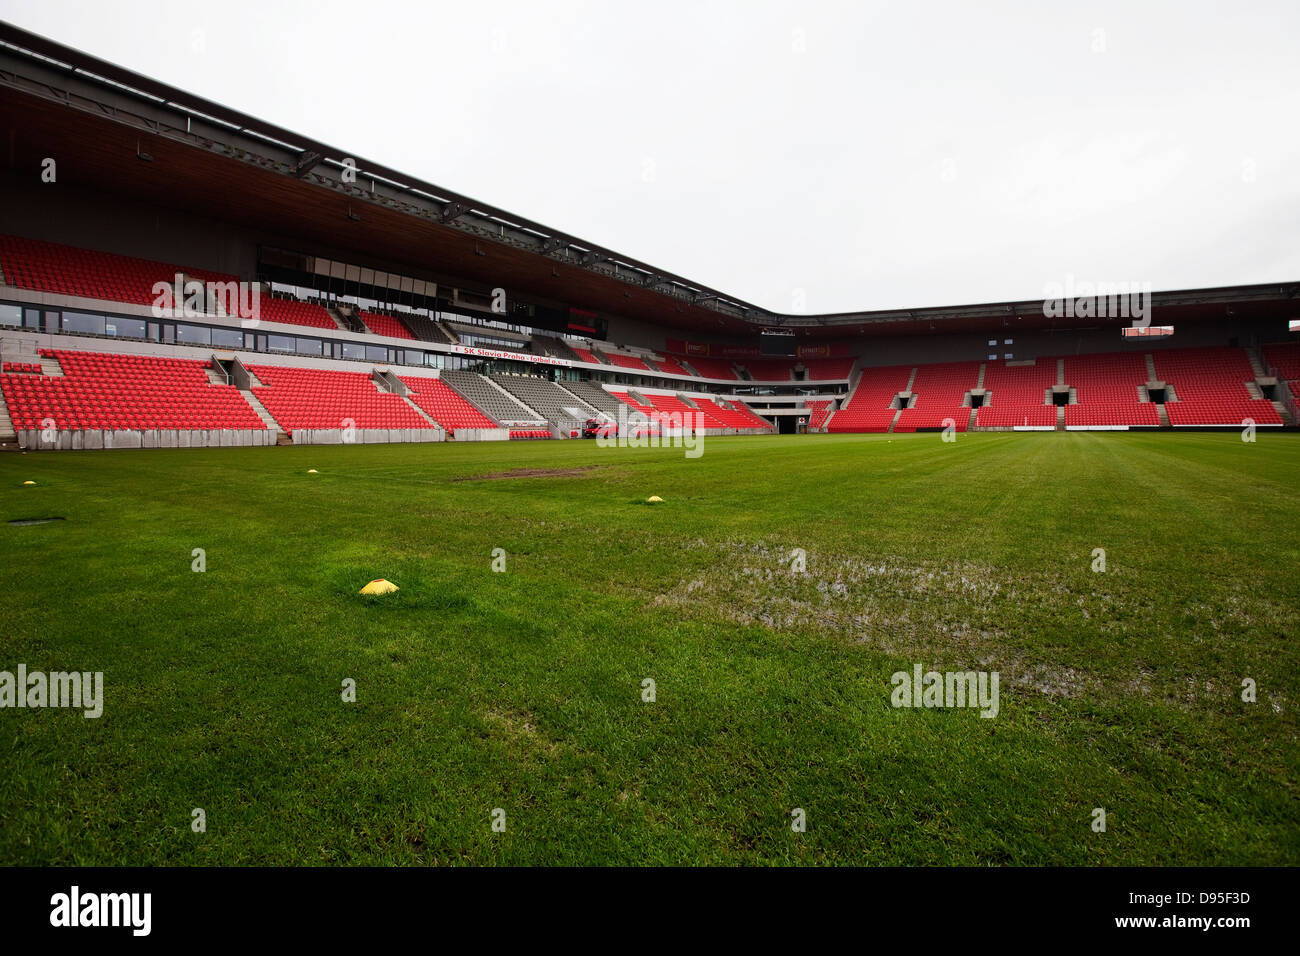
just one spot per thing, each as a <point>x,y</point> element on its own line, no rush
<point>173,272</point>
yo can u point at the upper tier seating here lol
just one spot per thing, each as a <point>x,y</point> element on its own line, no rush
<point>586,355</point>
<point>769,370</point>
<point>1106,389</point>
<point>867,409</point>
<point>68,270</point>
<point>627,361</point>
<point>1210,385</point>
<point>546,398</point>
<point>1017,395</point>
<point>295,312</point>
<point>670,365</point>
<point>426,329</point>
<point>444,405</point>
<point>939,392</point>
<point>713,368</point>
<point>489,399</point>
<point>1284,359</point>
<point>23,368</point>
<point>386,325</point>
<point>307,398</point>
<point>100,391</point>
<point>821,370</point>
<point>595,396</point>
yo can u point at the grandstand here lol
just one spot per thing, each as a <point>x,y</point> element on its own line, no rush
<point>390,324</point>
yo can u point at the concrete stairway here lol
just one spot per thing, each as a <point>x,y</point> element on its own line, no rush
<point>421,412</point>
<point>262,413</point>
<point>51,366</point>
<point>1256,363</point>
<point>346,318</point>
<point>8,437</point>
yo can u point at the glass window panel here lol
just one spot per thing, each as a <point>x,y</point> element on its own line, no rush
<point>86,322</point>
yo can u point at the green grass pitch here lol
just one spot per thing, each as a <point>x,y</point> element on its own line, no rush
<point>523,691</point>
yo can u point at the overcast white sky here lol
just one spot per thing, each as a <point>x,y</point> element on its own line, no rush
<point>813,156</point>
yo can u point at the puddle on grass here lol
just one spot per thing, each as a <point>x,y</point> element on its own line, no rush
<point>23,522</point>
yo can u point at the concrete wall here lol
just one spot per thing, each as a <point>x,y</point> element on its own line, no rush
<point>69,440</point>
<point>481,434</point>
<point>367,436</point>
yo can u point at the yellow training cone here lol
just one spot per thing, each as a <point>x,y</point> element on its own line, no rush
<point>654,500</point>
<point>379,586</point>
<point>29,482</point>
<point>312,471</point>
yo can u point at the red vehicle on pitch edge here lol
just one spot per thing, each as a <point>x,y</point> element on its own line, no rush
<point>599,428</point>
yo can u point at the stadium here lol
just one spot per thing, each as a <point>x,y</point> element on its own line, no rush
<point>246,374</point>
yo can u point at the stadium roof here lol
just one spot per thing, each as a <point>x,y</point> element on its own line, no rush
<point>161,145</point>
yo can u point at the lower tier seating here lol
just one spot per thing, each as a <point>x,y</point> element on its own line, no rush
<point>489,399</point>
<point>938,394</point>
<point>733,414</point>
<point>595,396</point>
<point>818,412</point>
<point>544,397</point>
<point>100,391</point>
<point>1017,395</point>
<point>1211,388</point>
<point>444,405</point>
<point>1107,389</point>
<point>868,408</point>
<point>1284,359</point>
<point>301,398</point>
